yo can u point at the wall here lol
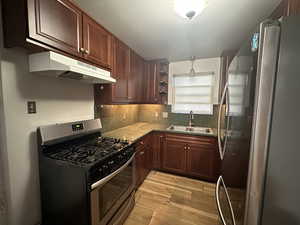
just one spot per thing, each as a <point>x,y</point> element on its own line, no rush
<point>57,101</point>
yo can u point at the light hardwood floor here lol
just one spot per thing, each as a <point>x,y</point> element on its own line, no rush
<point>165,199</point>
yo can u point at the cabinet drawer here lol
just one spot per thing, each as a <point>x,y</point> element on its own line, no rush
<point>200,140</point>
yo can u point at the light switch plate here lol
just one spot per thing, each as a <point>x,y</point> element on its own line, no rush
<point>165,115</point>
<point>31,107</point>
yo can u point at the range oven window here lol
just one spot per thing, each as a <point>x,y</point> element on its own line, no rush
<point>107,198</point>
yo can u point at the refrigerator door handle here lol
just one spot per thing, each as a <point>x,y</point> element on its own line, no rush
<point>221,149</point>
<point>221,181</point>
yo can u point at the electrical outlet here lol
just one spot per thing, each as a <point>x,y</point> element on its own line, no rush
<point>124,116</point>
<point>31,107</point>
<point>165,115</point>
<point>156,114</point>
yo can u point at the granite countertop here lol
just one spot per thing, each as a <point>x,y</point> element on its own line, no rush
<point>138,130</point>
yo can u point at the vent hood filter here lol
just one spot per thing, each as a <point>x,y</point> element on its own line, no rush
<point>57,65</point>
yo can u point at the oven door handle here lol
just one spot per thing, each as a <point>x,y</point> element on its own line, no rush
<point>107,178</point>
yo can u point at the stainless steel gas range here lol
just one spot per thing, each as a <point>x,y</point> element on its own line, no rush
<point>85,179</point>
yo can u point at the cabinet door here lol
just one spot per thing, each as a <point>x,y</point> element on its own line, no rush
<point>133,77</point>
<point>152,83</point>
<point>121,71</point>
<point>141,160</point>
<point>174,156</point>
<point>157,147</point>
<point>57,23</point>
<point>201,161</point>
<point>97,43</point>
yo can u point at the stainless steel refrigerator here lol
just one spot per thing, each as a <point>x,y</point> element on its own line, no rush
<point>259,129</point>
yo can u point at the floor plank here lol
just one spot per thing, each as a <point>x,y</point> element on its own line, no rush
<point>166,199</point>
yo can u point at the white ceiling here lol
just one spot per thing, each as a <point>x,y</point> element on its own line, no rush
<point>153,30</point>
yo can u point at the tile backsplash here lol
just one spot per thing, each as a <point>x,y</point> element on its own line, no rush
<point>154,113</point>
<point>117,116</point>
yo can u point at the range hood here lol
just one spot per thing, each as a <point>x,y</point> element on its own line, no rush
<point>54,64</point>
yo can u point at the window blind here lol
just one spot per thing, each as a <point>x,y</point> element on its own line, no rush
<point>193,93</point>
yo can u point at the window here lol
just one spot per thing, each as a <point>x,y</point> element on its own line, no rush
<point>193,93</point>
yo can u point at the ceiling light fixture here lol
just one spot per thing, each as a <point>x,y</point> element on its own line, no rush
<point>190,9</point>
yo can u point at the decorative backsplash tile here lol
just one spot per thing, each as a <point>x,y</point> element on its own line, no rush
<point>117,116</point>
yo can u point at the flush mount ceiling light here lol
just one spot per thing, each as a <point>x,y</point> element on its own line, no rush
<point>189,9</point>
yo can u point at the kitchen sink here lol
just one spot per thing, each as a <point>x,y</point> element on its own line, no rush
<point>202,130</point>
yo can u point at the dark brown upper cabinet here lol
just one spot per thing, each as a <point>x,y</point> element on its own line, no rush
<point>121,73</point>
<point>97,43</point>
<point>135,79</point>
<point>116,93</point>
<point>56,25</point>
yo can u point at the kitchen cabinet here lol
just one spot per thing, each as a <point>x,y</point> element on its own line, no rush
<point>141,162</point>
<point>156,76</point>
<point>286,8</point>
<point>152,83</point>
<point>158,139</point>
<point>174,155</point>
<point>201,161</point>
<point>97,43</point>
<point>121,73</point>
<point>143,159</point>
<point>56,25</point>
<point>135,80</point>
<point>193,156</point>
<point>128,70</point>
<point>116,93</point>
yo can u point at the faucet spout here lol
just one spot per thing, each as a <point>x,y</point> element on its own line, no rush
<point>191,124</point>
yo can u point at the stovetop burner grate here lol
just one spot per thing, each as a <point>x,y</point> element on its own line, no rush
<point>89,151</point>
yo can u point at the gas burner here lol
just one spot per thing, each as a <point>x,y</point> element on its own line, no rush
<point>89,151</point>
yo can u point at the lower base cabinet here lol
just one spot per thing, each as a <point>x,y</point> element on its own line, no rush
<point>143,159</point>
<point>187,155</point>
<point>193,156</point>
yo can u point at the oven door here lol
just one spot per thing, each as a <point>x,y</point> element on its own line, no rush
<point>108,194</point>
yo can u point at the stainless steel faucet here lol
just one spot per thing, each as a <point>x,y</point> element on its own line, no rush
<point>191,124</point>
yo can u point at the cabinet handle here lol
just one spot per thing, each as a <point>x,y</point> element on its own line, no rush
<point>142,143</point>
<point>81,50</point>
<point>86,51</point>
<point>142,153</point>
